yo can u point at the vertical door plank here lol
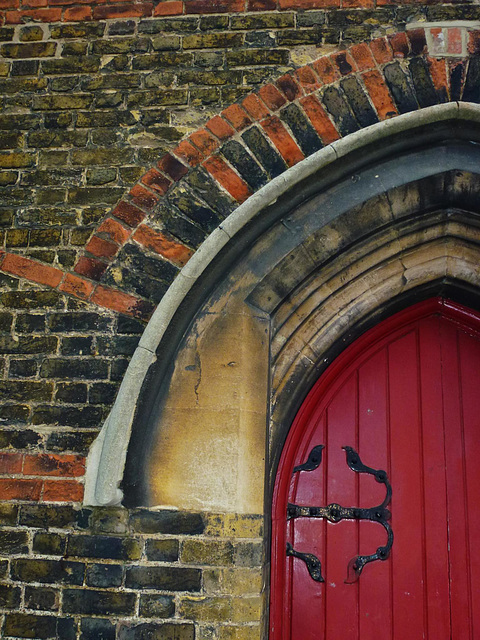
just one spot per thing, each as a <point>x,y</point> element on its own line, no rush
<point>342,537</point>
<point>469,358</point>
<point>460,585</point>
<point>373,448</point>
<point>307,618</point>
<point>409,609</point>
<point>435,490</point>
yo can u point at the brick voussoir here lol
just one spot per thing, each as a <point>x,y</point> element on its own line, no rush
<point>227,178</point>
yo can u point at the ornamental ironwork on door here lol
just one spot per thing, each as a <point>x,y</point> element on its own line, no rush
<point>335,513</point>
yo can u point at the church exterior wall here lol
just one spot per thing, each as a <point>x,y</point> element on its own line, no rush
<point>129,132</point>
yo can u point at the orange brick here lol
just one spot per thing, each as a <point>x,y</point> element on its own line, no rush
<point>174,8</point>
<point>137,10</point>
<point>325,70</point>
<point>319,119</point>
<point>157,181</point>
<point>11,463</point>
<point>381,50</point>
<point>121,302</point>
<point>20,489</point>
<point>172,167</point>
<point>399,44</point>
<point>76,286</point>
<point>271,97</point>
<point>62,491</point>
<point>262,5</point>
<point>379,94</point>
<point>473,45</point>
<point>49,464</point>
<point>220,128</point>
<point>214,6</point>
<point>204,141</point>
<point>77,14</point>
<point>362,56</point>
<point>32,4</point>
<point>38,15</point>
<point>307,4</point>
<point>343,61</point>
<point>255,108</point>
<point>114,231</point>
<point>163,245</point>
<point>227,177</point>
<point>418,41</point>
<point>358,4</point>
<point>237,117</point>
<point>454,40</point>
<point>307,79</point>
<point>290,88</point>
<point>128,213</point>
<point>189,153</point>
<point>31,270</point>
<point>101,248</point>
<point>90,267</point>
<point>143,197</point>
<point>283,141</point>
<point>438,71</point>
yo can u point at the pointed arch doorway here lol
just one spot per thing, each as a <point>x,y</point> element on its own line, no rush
<point>406,396</point>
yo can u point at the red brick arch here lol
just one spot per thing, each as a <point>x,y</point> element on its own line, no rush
<point>294,116</point>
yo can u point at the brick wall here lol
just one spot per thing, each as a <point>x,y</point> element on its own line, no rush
<point>109,573</point>
<point>16,11</point>
<point>126,137</point>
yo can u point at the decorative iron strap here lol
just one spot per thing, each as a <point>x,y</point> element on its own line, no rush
<point>335,513</point>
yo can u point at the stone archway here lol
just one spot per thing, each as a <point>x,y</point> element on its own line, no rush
<point>395,212</point>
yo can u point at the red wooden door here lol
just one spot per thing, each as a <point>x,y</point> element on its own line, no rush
<point>406,396</point>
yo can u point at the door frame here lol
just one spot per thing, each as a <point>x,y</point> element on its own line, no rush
<point>461,315</point>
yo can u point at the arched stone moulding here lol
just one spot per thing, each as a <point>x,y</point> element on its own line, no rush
<point>306,207</point>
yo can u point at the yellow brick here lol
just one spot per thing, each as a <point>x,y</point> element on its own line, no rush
<point>231,525</point>
<point>241,582</point>
<point>250,632</point>
<point>206,609</point>
<point>213,580</point>
<point>207,552</point>
<point>247,609</point>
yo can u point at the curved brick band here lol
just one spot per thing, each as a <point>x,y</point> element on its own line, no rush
<point>186,195</point>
